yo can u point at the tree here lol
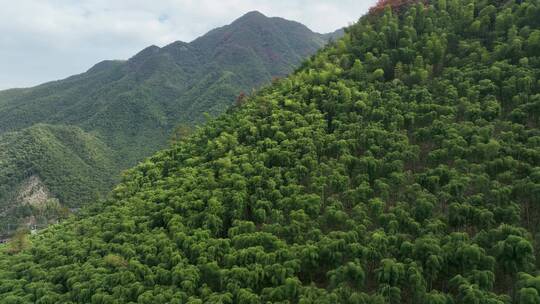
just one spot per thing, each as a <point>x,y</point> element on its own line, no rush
<point>19,242</point>
<point>180,132</point>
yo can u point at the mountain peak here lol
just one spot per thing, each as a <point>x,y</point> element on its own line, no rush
<point>251,17</point>
<point>253,14</point>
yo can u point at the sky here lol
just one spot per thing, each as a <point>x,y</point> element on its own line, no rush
<point>44,40</point>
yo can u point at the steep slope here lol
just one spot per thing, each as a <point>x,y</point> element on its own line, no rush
<point>41,152</point>
<point>399,165</point>
<point>132,106</point>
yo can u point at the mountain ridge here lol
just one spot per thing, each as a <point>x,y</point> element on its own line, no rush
<point>133,105</point>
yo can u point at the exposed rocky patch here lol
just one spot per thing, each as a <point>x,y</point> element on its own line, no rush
<point>33,192</point>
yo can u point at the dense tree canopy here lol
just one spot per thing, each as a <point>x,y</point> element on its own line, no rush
<point>398,165</point>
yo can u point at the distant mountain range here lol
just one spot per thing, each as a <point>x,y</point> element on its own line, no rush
<point>75,135</point>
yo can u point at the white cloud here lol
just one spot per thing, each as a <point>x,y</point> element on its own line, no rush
<point>42,40</point>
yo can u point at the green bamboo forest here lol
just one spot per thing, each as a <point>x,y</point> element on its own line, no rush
<point>400,164</point>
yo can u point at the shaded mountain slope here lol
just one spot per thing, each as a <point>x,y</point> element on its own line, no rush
<point>73,166</point>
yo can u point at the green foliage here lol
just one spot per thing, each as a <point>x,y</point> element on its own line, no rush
<point>19,242</point>
<point>43,151</point>
<point>334,186</point>
<point>181,131</point>
<point>126,110</point>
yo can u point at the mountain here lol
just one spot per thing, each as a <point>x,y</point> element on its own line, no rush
<point>401,164</point>
<point>129,108</point>
<point>39,155</point>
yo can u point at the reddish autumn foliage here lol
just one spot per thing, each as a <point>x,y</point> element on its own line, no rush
<point>240,99</point>
<point>396,5</point>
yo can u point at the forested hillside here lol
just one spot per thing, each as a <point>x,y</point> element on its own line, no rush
<point>70,163</point>
<point>131,107</point>
<point>399,165</point>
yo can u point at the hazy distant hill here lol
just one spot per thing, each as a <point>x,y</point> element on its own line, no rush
<point>130,107</point>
